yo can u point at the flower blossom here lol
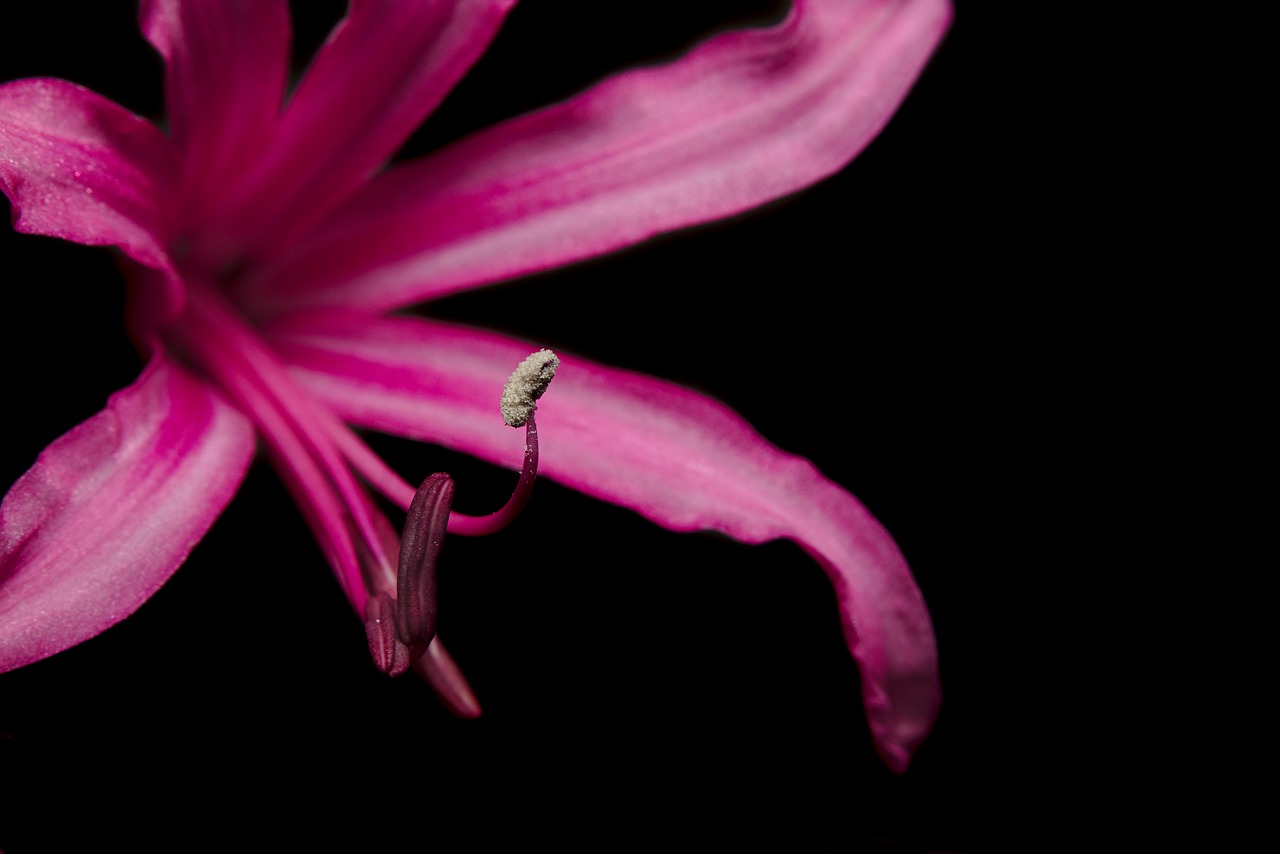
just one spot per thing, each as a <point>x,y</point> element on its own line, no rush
<point>267,243</point>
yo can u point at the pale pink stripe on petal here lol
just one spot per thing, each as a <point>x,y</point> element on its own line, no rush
<point>744,118</point>
<point>112,508</point>
<point>382,71</point>
<point>226,64</point>
<point>78,166</point>
<point>675,456</point>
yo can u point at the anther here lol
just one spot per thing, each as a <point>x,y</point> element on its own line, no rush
<point>424,529</point>
<point>525,385</point>
<point>389,654</point>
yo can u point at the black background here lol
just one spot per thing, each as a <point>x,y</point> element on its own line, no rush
<point>636,682</point>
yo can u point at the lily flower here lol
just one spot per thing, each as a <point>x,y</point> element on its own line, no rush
<point>267,243</point>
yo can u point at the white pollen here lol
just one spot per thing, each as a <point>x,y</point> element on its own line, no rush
<point>526,385</point>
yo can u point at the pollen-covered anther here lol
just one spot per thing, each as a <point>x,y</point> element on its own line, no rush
<point>525,385</point>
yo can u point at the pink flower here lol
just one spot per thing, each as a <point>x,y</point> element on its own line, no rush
<point>267,245</point>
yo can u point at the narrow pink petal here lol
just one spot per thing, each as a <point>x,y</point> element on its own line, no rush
<point>675,456</point>
<point>743,119</point>
<point>110,510</point>
<point>78,166</point>
<point>226,63</point>
<point>382,71</point>
<point>445,678</point>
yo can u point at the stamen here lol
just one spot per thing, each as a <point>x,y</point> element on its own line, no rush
<point>525,385</point>
<point>435,665</point>
<point>424,529</point>
<point>389,654</point>
<point>413,610</point>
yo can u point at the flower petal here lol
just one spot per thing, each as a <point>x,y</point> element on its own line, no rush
<point>111,508</point>
<point>382,71</point>
<point>78,166</point>
<point>677,457</point>
<point>226,62</point>
<point>743,119</point>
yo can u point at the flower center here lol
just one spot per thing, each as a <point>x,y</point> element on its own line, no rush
<point>389,580</point>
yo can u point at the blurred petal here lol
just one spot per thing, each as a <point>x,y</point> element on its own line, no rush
<point>78,166</point>
<point>110,510</point>
<point>744,118</point>
<point>677,457</point>
<point>226,62</point>
<point>383,70</point>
